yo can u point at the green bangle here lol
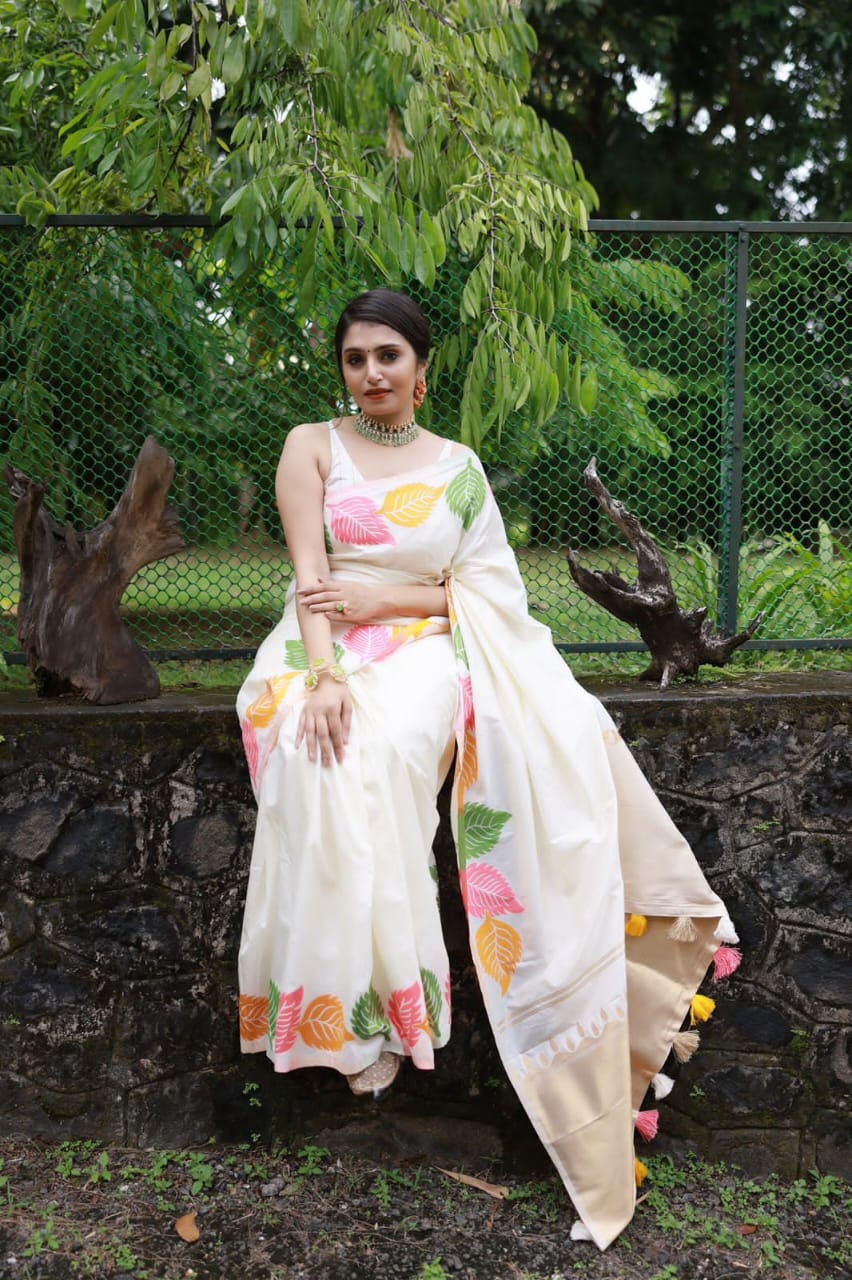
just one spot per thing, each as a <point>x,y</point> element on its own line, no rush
<point>321,667</point>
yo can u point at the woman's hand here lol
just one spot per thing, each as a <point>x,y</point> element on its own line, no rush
<point>325,720</point>
<point>353,602</point>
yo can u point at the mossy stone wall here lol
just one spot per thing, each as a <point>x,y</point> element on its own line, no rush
<point>125,837</point>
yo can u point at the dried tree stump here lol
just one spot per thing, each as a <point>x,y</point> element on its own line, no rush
<point>69,623</point>
<point>680,642</point>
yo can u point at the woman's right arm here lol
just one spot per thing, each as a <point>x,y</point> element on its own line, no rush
<point>299,492</point>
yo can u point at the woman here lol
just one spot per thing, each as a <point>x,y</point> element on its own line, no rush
<point>405,636</point>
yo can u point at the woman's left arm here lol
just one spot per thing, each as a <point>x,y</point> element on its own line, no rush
<point>366,602</point>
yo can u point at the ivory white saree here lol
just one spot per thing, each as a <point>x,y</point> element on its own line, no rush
<point>559,839</point>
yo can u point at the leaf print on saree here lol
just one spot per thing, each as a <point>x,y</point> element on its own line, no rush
<point>262,711</point>
<point>410,505</point>
<point>499,947</point>
<point>253,1017</point>
<point>289,1014</point>
<point>252,751</point>
<point>323,1025</point>
<point>434,1002</point>
<point>356,522</point>
<point>487,892</point>
<point>466,494</point>
<point>406,1010</point>
<point>369,1018</point>
<point>480,828</point>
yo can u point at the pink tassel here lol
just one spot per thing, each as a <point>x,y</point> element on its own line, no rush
<point>725,962</point>
<point>647,1123</point>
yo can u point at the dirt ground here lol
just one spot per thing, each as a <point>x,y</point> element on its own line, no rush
<point>266,1213</point>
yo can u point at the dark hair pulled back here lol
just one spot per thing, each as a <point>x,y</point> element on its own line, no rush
<point>386,306</point>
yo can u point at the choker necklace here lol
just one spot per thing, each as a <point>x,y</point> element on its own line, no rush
<point>379,433</point>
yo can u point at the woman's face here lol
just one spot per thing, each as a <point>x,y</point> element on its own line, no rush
<point>380,368</point>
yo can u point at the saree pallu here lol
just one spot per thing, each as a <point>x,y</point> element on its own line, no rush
<point>558,834</point>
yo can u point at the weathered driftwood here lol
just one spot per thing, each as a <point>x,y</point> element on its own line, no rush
<point>680,642</point>
<point>69,624</point>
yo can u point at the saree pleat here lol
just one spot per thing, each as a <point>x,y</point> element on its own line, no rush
<point>558,835</point>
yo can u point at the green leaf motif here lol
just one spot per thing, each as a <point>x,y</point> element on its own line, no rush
<point>329,545</point>
<point>458,642</point>
<point>295,655</point>
<point>274,1005</point>
<point>368,1017</point>
<point>479,830</point>
<point>466,494</point>
<point>434,1000</point>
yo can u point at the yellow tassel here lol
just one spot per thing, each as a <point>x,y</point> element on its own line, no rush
<point>683,930</point>
<point>701,1009</point>
<point>684,1045</point>
<point>641,1171</point>
<point>636,926</point>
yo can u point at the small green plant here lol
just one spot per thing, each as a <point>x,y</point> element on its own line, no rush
<point>668,1272</point>
<point>5,1186</point>
<point>385,1180</point>
<point>99,1170</point>
<point>250,1090</point>
<point>433,1271</point>
<point>201,1173</point>
<point>311,1161</point>
<point>44,1238</point>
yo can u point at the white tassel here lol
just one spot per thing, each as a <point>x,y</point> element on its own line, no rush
<point>725,931</point>
<point>662,1085</point>
<point>683,930</point>
<point>579,1231</point>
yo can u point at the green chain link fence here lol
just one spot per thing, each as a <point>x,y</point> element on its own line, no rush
<point>109,332</point>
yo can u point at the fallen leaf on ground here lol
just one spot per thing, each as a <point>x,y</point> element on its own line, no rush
<point>490,1188</point>
<point>747,1228</point>
<point>187,1228</point>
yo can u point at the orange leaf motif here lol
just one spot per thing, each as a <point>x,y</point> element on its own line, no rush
<point>261,712</point>
<point>254,1012</point>
<point>323,1026</point>
<point>500,948</point>
<point>469,766</point>
<point>411,504</point>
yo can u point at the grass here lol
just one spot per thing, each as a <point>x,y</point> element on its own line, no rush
<point>229,598</point>
<point>77,1208</point>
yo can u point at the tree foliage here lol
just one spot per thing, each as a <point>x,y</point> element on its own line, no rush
<point>753,107</point>
<point>388,133</point>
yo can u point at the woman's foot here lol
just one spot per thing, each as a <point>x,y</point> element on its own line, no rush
<point>377,1078</point>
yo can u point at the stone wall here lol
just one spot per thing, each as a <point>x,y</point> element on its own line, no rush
<point>125,836</point>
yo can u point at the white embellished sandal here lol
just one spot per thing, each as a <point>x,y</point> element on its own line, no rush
<point>378,1077</point>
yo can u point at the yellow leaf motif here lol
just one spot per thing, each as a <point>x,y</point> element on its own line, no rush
<point>262,710</point>
<point>469,766</point>
<point>500,948</point>
<point>410,630</point>
<point>411,504</point>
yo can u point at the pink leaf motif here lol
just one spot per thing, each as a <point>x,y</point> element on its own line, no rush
<point>252,750</point>
<point>407,1012</point>
<point>370,643</point>
<point>487,892</point>
<point>357,521</point>
<point>467,701</point>
<point>448,991</point>
<point>289,1016</point>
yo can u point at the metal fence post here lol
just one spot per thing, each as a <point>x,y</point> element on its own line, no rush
<point>736,312</point>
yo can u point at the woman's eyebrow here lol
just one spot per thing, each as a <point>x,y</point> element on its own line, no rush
<point>382,346</point>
